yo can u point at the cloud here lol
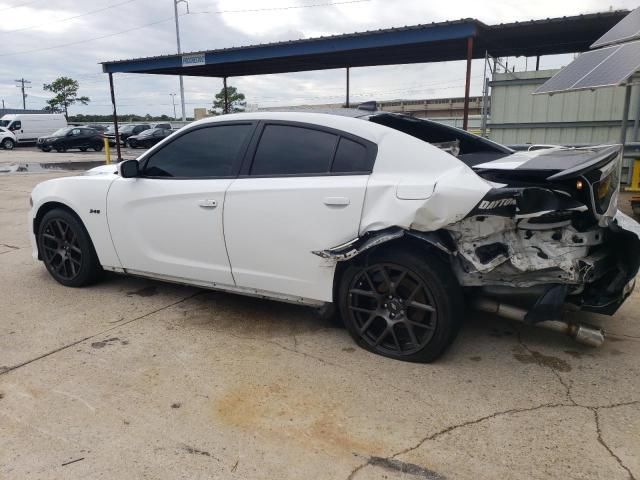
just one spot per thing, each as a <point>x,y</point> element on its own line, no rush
<point>202,31</point>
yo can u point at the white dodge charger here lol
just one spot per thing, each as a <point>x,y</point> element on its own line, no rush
<point>394,220</point>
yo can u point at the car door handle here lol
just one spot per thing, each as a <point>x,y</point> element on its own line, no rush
<point>208,203</point>
<point>336,201</point>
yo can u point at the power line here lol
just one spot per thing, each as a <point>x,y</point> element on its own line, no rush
<point>88,39</point>
<point>290,7</point>
<point>171,18</point>
<point>21,5</point>
<point>69,18</point>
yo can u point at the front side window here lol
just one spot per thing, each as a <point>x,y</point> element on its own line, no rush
<point>205,152</point>
<point>17,125</point>
<point>287,150</point>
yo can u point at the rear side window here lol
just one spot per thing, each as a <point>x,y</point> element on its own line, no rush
<point>205,152</point>
<point>351,157</point>
<point>287,150</point>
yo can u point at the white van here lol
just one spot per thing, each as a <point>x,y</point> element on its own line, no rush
<point>27,127</point>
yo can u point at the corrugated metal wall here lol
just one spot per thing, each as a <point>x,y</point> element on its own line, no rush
<point>584,117</point>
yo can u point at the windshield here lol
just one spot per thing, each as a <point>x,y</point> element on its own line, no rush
<point>61,132</point>
<point>4,123</point>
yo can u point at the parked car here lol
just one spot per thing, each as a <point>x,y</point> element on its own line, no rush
<point>71,137</point>
<point>162,125</point>
<point>148,138</point>
<point>7,139</point>
<point>368,212</point>
<point>98,128</point>
<point>125,132</point>
<point>27,127</point>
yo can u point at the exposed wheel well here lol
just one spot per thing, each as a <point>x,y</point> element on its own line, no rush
<point>405,243</point>
<point>44,209</point>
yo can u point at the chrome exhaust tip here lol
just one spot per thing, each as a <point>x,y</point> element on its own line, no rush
<point>581,333</point>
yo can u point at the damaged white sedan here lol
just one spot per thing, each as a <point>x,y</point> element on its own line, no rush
<point>394,220</point>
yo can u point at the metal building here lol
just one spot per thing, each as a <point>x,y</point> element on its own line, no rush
<point>573,118</point>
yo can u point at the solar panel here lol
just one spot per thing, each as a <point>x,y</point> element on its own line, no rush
<point>625,30</point>
<point>576,70</point>
<point>614,70</point>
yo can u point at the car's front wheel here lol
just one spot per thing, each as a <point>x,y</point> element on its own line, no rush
<point>66,249</point>
<point>46,149</point>
<point>8,144</point>
<point>401,304</point>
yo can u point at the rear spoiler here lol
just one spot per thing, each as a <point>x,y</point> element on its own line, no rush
<point>600,158</point>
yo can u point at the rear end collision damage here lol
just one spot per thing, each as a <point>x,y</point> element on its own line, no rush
<point>539,240</point>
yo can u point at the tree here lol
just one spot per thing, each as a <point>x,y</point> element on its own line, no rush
<point>236,101</point>
<point>65,90</point>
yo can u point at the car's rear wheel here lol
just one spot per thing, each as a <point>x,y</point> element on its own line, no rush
<point>402,305</point>
<point>83,149</point>
<point>98,147</point>
<point>66,249</point>
<point>61,149</point>
<point>8,144</point>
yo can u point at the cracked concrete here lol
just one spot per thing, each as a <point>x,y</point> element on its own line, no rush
<point>133,378</point>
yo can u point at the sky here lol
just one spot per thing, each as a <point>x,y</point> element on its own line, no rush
<point>41,40</point>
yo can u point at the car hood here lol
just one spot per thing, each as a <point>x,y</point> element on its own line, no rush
<point>103,170</point>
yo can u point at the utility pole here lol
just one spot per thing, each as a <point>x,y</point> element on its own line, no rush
<point>173,100</point>
<point>175,12</point>
<point>21,86</point>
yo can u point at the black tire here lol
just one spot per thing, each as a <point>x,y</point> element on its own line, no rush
<point>67,250</point>
<point>98,147</point>
<point>401,304</point>
<point>61,149</point>
<point>8,144</point>
<point>46,149</point>
<point>132,144</point>
<point>83,149</point>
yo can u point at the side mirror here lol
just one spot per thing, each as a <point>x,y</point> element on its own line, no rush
<point>129,169</point>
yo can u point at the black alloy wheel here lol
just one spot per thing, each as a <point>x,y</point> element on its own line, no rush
<point>66,249</point>
<point>401,305</point>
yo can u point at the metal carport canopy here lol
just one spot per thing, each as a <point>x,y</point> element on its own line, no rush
<point>436,42</point>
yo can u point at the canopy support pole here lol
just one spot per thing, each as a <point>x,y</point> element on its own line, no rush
<point>625,115</point>
<point>636,120</point>
<point>537,63</point>
<point>115,116</point>
<point>467,85</point>
<point>346,103</point>
<point>485,96</point>
<point>226,96</point>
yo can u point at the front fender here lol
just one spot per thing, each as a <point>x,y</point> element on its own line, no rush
<point>86,196</point>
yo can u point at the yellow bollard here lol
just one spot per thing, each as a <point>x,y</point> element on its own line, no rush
<point>107,152</point>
